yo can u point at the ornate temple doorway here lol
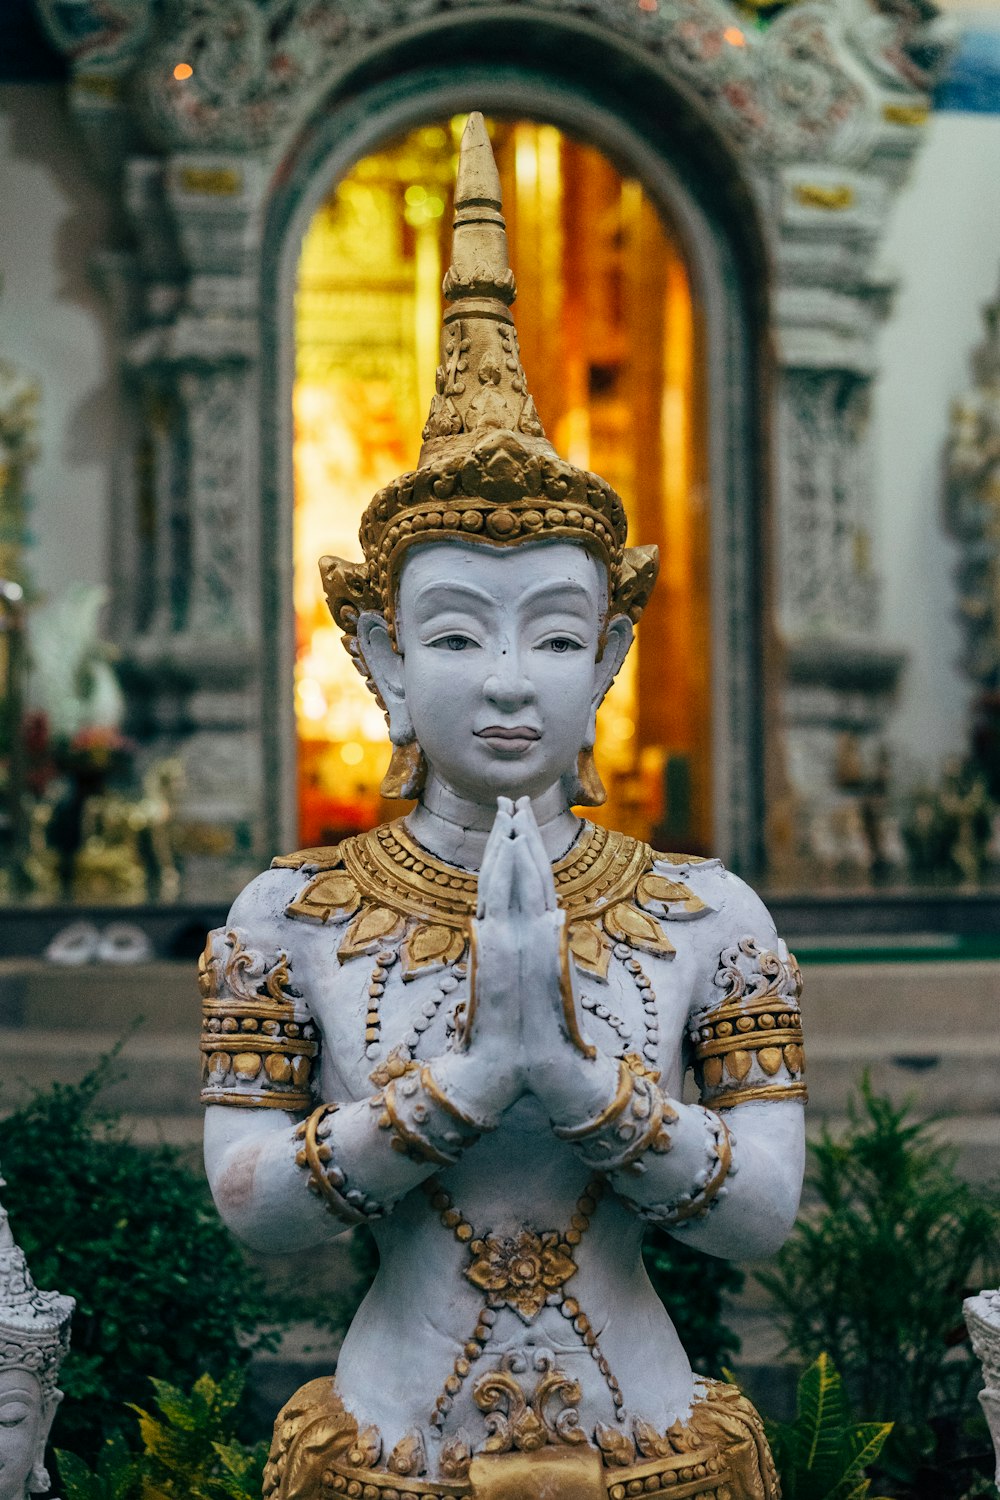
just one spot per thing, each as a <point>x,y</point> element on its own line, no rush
<point>612,336</point>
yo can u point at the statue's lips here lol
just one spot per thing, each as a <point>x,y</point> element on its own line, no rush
<point>513,739</point>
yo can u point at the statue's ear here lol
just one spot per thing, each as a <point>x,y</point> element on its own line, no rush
<point>618,638</point>
<point>38,1480</point>
<point>385,666</point>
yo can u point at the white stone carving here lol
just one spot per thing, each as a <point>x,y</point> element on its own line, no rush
<point>34,1337</point>
<point>982,1317</point>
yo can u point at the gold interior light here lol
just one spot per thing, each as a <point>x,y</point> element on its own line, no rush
<point>610,339</point>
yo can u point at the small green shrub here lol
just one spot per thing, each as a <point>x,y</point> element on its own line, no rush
<point>190,1451</point>
<point>161,1287</point>
<point>824,1453</point>
<point>875,1277</point>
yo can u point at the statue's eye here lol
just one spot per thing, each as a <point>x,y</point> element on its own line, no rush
<point>455,642</point>
<point>14,1413</point>
<point>560,644</point>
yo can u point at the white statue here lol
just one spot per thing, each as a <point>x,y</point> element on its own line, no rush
<point>34,1337</point>
<point>72,680</point>
<point>982,1317</point>
<point>469,1028</point>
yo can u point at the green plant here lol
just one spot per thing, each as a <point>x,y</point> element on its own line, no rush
<point>824,1453</point>
<point>190,1451</point>
<point>875,1276</point>
<point>161,1287</point>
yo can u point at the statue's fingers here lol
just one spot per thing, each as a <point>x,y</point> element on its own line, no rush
<point>529,892</point>
<point>528,831</point>
<point>496,874</point>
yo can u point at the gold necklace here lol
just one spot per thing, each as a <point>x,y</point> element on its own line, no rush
<point>392,892</point>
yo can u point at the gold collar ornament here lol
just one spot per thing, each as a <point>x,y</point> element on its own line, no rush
<point>486,471</point>
<point>393,893</point>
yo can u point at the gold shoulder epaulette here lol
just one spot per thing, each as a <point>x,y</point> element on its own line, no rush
<point>322,858</point>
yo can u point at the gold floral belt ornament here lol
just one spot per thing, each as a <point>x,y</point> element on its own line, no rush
<point>319,1452</point>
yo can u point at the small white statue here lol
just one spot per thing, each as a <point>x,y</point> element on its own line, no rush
<point>469,1028</point>
<point>34,1337</point>
<point>982,1317</point>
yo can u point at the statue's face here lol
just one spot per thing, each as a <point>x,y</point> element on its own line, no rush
<point>497,667</point>
<point>23,1431</point>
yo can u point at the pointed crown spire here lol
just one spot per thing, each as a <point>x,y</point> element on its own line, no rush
<point>34,1325</point>
<point>480,385</point>
<point>486,472</point>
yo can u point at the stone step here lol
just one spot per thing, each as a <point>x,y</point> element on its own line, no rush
<point>878,999</point>
<point>958,1074</point>
<point>154,1075</point>
<point>840,999</point>
<point>111,997</point>
<point>158,1075</point>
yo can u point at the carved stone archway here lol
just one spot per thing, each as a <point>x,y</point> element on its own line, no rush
<point>782,144</point>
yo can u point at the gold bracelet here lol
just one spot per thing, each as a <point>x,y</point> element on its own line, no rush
<point>434,1091</point>
<point>618,1105</point>
<point>407,1140</point>
<point>699,1204</point>
<point>314,1156</point>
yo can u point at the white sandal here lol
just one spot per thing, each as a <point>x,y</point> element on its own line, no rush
<point>124,943</point>
<point>76,944</point>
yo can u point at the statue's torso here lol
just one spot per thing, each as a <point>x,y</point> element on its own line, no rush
<point>511,1284</point>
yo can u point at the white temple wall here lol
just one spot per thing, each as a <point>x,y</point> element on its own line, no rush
<point>943,248</point>
<point>55,324</point>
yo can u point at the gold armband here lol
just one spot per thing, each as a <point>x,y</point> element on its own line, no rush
<point>427,1126</point>
<point>257,1051</point>
<point>633,1122</point>
<point>710,1185</point>
<point>326,1180</point>
<point>749,1049</point>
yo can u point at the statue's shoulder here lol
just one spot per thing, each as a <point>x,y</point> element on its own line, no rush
<point>731,900</point>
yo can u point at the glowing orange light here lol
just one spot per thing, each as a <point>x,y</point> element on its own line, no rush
<point>183,71</point>
<point>734,36</point>
<point>649,4</point>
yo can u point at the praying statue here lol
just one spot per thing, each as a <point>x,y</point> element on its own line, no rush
<point>468,1029</point>
<point>34,1338</point>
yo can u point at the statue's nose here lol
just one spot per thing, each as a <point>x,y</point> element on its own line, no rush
<point>508,686</point>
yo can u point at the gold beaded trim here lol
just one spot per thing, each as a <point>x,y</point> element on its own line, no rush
<point>392,891</point>
<point>698,1206</point>
<point>636,1094</point>
<point>315,1155</point>
<point>731,1039</point>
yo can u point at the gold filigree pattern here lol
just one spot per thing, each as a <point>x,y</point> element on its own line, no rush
<point>749,1047</point>
<point>257,1050</point>
<point>549,1416</point>
<point>389,890</point>
<point>720,1453</point>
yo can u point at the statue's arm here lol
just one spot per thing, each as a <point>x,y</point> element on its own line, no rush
<point>724,1174</point>
<point>288,1168</point>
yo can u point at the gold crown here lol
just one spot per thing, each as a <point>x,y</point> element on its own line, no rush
<point>486,472</point>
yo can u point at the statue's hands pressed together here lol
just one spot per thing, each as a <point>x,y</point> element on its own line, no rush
<point>525,999</point>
